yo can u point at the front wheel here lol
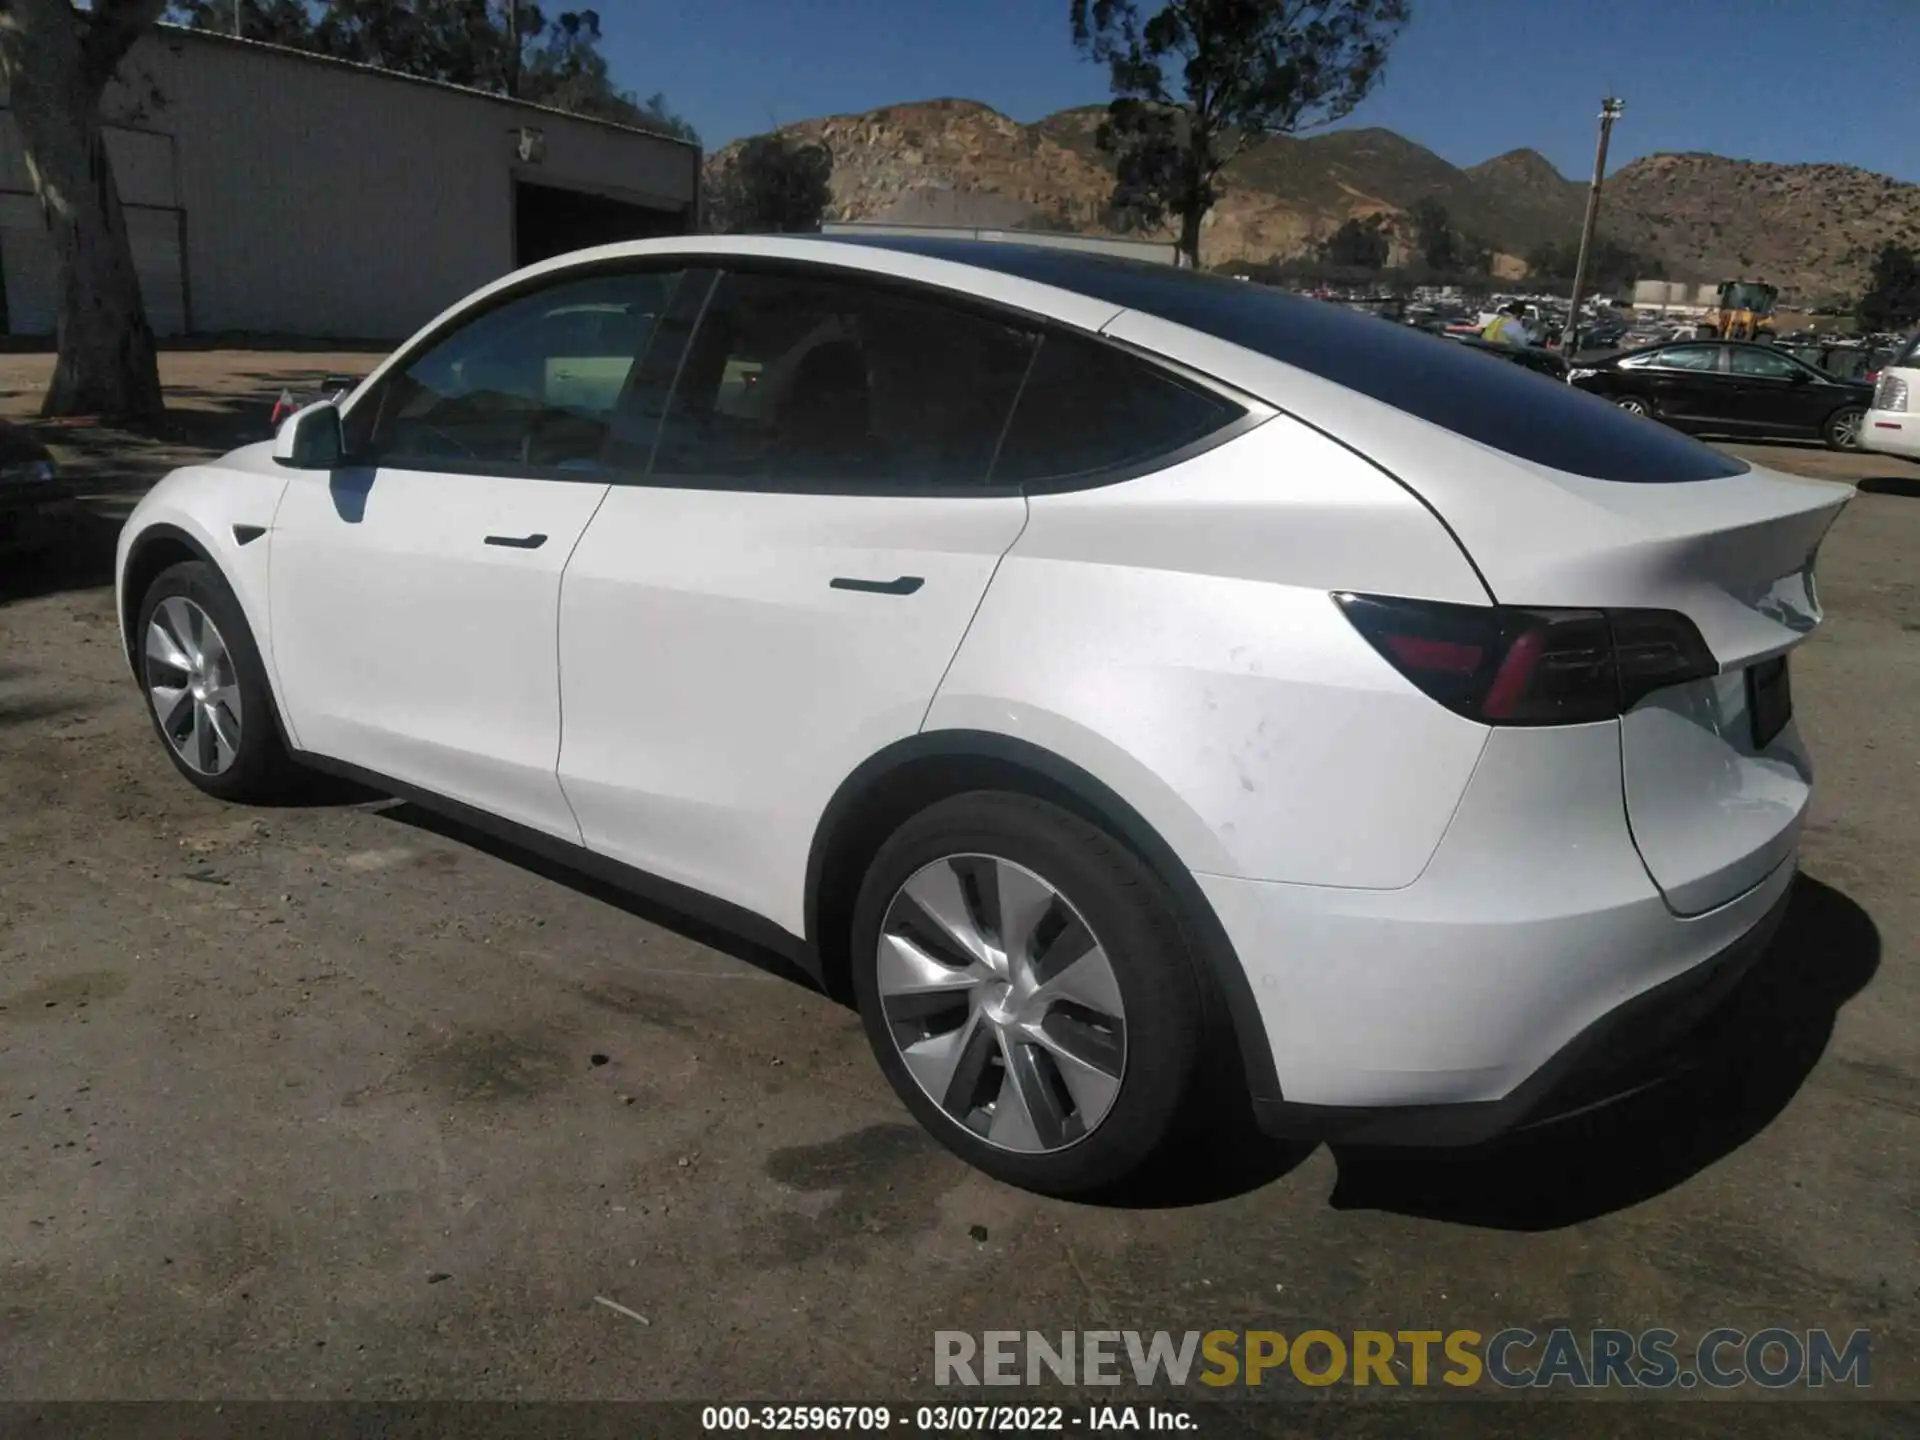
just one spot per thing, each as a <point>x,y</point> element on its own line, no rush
<point>1026,986</point>
<point>206,688</point>
<point>1844,428</point>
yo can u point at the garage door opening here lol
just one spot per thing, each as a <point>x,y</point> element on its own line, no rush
<point>549,221</point>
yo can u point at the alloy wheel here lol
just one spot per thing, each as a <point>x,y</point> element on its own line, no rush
<point>193,686</point>
<point>1632,407</point>
<point>1847,428</point>
<point>1002,1003</point>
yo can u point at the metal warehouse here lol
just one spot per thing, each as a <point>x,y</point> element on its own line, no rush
<point>272,191</point>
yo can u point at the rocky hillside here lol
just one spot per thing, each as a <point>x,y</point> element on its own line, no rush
<point>1814,228</point>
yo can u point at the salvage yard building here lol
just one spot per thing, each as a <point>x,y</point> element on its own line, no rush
<point>270,191</point>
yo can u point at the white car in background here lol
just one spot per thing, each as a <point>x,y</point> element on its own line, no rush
<point>1093,669</point>
<point>1893,423</point>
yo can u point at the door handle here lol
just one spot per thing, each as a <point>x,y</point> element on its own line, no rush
<point>905,585</point>
<point>518,542</point>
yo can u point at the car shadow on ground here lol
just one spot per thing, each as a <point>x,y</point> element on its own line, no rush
<point>405,812</point>
<point>1740,1069</point>
<point>1907,487</point>
<point>1733,1075</point>
<point>80,559</point>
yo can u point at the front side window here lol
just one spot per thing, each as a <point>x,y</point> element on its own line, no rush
<point>1763,365</point>
<point>529,384</point>
<point>1089,407</point>
<point>800,380</point>
<point>1688,357</point>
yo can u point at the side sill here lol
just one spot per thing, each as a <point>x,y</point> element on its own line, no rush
<point>704,910</point>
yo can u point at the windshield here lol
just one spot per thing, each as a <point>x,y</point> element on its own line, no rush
<point>1747,295</point>
<point>1502,405</point>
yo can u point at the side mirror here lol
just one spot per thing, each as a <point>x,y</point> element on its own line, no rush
<point>311,439</point>
<point>1800,377</point>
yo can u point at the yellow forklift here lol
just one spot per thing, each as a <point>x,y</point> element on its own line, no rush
<point>1745,312</point>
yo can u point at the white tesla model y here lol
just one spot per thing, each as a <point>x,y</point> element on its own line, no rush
<point>1074,661</point>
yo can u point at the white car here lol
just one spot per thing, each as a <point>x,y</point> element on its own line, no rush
<point>1095,669</point>
<point>1893,423</point>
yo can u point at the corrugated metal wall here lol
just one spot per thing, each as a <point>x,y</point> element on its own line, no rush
<point>143,166</point>
<point>317,198</point>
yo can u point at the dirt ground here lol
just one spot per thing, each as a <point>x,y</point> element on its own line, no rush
<point>341,1102</point>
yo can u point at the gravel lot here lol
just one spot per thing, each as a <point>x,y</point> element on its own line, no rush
<point>338,1101</point>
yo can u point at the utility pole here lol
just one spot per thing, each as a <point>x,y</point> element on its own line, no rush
<point>1611,109</point>
<point>513,48</point>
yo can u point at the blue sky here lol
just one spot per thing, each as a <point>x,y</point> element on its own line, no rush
<point>1786,80</point>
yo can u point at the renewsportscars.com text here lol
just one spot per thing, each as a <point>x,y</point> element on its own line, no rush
<point>1513,1358</point>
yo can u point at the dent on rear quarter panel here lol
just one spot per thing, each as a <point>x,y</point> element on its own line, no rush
<point>1175,635</point>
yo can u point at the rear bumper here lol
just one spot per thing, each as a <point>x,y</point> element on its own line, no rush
<point>1632,1046</point>
<point>1481,986</point>
<point>1892,432</point>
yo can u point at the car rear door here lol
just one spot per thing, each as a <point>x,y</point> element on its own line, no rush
<point>777,597</point>
<point>1773,394</point>
<point>1687,384</point>
<point>416,588</point>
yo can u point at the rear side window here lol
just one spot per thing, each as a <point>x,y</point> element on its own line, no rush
<point>1762,365</point>
<point>1088,408</point>
<point>1504,406</point>
<point>799,381</point>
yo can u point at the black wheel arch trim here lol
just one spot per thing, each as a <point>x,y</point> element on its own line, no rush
<point>130,602</point>
<point>130,608</point>
<point>1101,804</point>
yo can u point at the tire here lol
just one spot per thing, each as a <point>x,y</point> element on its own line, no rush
<point>1084,1135</point>
<point>1842,430</point>
<point>1634,406</point>
<point>251,766</point>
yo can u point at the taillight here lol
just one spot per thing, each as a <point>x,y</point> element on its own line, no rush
<point>1514,665</point>
<point>1891,393</point>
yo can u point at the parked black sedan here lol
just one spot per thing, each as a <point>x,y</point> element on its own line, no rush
<point>37,507</point>
<point>1729,388</point>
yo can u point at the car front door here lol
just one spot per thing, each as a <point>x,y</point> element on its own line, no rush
<point>779,598</point>
<point>1774,394</point>
<point>416,588</point>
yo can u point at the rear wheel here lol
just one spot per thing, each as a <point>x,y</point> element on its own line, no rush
<point>1844,427</point>
<point>1027,989</point>
<point>1633,406</point>
<point>206,687</point>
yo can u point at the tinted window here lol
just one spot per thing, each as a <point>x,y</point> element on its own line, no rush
<point>1504,406</point>
<point>531,383</point>
<point>1910,354</point>
<point>1688,357</point>
<point>1763,365</point>
<point>801,379</point>
<point>1088,407</point>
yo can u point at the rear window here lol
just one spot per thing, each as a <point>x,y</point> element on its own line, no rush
<point>1910,353</point>
<point>1499,404</point>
